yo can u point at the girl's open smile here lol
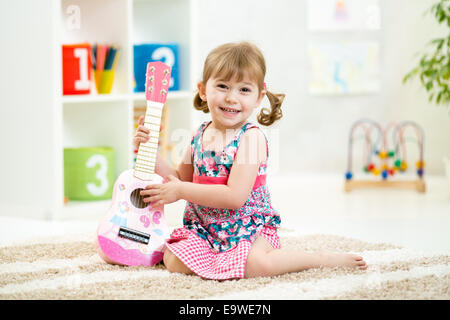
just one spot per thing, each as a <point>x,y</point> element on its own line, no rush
<point>230,111</point>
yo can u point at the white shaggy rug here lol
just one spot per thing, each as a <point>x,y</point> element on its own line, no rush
<point>69,268</point>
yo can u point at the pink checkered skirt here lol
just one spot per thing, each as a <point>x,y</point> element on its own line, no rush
<point>197,255</point>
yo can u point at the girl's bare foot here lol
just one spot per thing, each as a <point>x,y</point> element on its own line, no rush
<point>333,259</point>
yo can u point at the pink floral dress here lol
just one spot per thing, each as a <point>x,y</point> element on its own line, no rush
<point>214,243</point>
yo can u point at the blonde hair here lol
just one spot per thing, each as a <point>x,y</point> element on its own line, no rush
<point>238,60</point>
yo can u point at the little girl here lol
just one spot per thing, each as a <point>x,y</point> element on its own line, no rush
<point>229,225</point>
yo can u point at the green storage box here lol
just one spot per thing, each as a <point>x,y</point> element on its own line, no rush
<point>89,173</point>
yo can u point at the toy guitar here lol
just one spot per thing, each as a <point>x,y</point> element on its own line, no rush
<point>133,232</point>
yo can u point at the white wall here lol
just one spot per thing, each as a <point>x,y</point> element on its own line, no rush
<point>314,131</point>
<point>29,117</point>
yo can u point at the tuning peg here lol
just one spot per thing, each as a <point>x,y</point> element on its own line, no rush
<point>150,89</point>
<point>163,92</point>
<point>166,72</point>
<point>151,78</point>
<point>164,82</point>
<point>152,68</point>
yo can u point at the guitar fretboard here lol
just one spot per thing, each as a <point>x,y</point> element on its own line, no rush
<point>156,88</point>
<point>146,157</point>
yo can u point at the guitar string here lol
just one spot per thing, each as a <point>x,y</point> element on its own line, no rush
<point>138,198</point>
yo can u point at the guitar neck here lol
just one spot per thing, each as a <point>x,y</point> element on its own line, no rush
<point>156,88</point>
<point>144,168</point>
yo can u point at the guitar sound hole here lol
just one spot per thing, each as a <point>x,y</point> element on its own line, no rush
<point>137,200</point>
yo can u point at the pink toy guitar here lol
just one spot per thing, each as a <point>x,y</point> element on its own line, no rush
<point>134,232</point>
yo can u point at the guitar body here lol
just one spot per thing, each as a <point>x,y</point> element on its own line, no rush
<point>133,232</point>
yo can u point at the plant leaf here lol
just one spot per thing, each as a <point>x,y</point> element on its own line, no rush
<point>433,68</point>
<point>438,98</point>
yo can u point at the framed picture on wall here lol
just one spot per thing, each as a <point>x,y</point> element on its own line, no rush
<point>343,68</point>
<point>338,15</point>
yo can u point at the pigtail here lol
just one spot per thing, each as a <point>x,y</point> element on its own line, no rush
<point>199,104</point>
<point>267,117</point>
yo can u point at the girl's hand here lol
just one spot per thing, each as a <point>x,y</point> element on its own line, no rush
<point>165,193</point>
<point>142,133</point>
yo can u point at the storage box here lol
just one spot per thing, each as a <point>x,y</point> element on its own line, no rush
<point>77,68</point>
<point>145,53</point>
<point>89,173</point>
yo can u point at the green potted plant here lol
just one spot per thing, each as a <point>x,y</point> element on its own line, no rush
<point>434,66</point>
<point>433,69</point>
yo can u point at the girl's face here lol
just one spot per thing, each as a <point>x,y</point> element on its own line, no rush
<point>230,102</point>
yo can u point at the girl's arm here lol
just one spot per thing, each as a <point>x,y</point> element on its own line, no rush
<point>230,196</point>
<point>251,152</point>
<point>184,170</point>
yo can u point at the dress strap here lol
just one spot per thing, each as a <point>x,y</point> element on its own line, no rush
<point>197,137</point>
<point>248,126</point>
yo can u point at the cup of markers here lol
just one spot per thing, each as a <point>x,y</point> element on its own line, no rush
<point>104,61</point>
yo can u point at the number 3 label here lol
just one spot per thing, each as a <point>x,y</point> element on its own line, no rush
<point>100,175</point>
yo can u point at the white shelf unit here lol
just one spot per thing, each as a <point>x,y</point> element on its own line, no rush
<point>88,120</point>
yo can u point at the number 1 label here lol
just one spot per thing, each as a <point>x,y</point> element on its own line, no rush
<point>83,83</point>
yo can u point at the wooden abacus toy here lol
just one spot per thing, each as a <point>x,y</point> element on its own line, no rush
<point>391,162</point>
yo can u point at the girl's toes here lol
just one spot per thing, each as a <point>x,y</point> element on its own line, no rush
<point>362,265</point>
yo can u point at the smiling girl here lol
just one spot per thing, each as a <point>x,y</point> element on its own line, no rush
<point>229,226</point>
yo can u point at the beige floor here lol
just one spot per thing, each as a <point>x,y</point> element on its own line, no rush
<point>307,203</point>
